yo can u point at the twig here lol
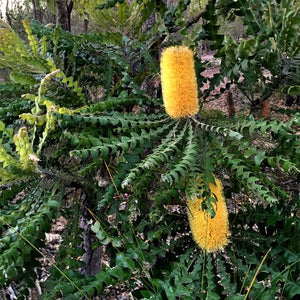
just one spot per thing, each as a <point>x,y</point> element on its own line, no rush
<point>256,273</point>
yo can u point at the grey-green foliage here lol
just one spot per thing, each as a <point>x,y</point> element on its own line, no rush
<point>159,156</point>
<point>272,44</point>
<point>17,56</point>
<point>179,152</point>
<point>26,220</point>
<point>120,161</point>
<point>175,268</point>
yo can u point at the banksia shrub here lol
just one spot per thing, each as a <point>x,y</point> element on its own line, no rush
<point>179,82</point>
<point>211,234</point>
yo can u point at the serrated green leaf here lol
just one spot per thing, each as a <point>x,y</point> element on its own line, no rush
<point>117,242</point>
<point>89,290</point>
<point>53,203</point>
<point>213,296</point>
<point>95,227</point>
<point>104,241</point>
<point>125,262</point>
<point>102,276</point>
<point>236,297</point>
<point>292,289</point>
<point>104,151</point>
<point>259,157</point>
<point>2,126</point>
<point>120,273</point>
<point>101,236</point>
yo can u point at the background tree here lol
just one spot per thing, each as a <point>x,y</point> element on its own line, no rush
<point>269,49</point>
<point>37,11</point>
<point>64,9</point>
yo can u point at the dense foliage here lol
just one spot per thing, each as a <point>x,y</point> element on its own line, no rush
<point>269,53</point>
<point>84,134</point>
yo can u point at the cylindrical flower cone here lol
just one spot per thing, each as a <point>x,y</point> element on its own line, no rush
<point>211,234</point>
<point>179,82</point>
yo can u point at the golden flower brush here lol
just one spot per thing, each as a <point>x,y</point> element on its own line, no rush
<point>179,82</point>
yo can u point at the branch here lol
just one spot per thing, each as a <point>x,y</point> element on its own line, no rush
<point>187,25</point>
<point>70,7</point>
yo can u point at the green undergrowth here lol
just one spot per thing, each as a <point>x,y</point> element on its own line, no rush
<point>84,114</point>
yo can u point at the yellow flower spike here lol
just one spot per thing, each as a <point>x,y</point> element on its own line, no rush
<point>211,234</point>
<point>179,82</point>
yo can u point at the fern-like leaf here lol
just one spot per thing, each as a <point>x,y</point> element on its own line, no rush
<point>161,154</point>
<point>123,145</point>
<point>186,162</point>
<point>218,130</point>
<point>27,219</point>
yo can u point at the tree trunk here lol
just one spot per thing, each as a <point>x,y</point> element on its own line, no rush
<point>85,25</point>
<point>261,108</point>
<point>7,13</point>
<point>64,14</point>
<point>230,104</point>
<point>255,108</point>
<point>92,256</point>
<point>37,12</point>
<point>266,109</point>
